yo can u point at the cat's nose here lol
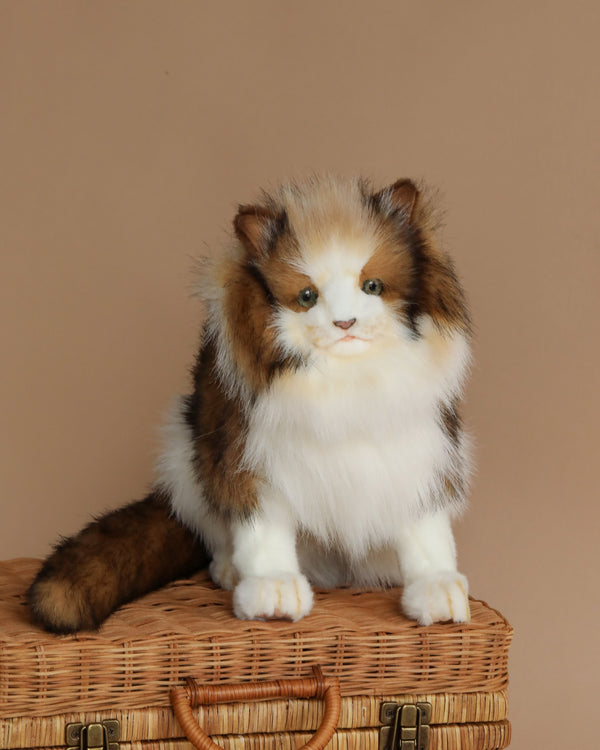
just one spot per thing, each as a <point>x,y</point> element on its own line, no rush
<point>345,324</point>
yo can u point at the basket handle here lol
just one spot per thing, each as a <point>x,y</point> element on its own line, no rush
<point>183,699</point>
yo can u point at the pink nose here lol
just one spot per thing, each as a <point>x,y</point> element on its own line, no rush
<point>345,324</point>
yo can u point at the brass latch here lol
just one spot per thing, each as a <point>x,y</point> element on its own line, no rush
<point>96,736</point>
<point>405,726</point>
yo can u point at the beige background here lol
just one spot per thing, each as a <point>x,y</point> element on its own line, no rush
<point>130,130</point>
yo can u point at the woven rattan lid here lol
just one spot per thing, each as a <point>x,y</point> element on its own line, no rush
<point>188,629</point>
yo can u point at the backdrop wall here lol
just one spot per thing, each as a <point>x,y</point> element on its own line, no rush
<point>130,131</point>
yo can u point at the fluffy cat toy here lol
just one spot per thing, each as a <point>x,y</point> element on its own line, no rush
<point>321,443</point>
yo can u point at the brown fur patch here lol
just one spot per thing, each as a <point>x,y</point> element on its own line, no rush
<point>219,426</point>
<point>59,606</point>
<point>250,306</point>
<point>436,290</point>
<point>441,295</point>
<point>392,264</point>
<point>402,196</point>
<point>286,282</point>
<point>451,421</point>
<point>115,559</point>
<point>258,227</point>
<point>454,481</point>
<point>275,266</point>
<point>454,489</point>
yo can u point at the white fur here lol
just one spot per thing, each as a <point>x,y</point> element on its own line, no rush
<point>335,271</point>
<point>433,590</point>
<point>436,597</point>
<point>176,475</point>
<point>349,453</point>
<point>266,597</point>
<point>353,460</point>
<point>271,585</point>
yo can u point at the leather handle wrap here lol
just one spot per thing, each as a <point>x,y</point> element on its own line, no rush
<point>183,699</point>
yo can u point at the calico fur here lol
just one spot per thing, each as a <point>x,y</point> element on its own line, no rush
<point>320,445</point>
<point>116,558</point>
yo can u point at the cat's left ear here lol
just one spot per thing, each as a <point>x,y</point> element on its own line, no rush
<point>258,228</point>
<point>402,196</point>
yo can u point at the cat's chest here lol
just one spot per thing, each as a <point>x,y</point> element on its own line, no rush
<point>366,447</point>
<point>371,401</point>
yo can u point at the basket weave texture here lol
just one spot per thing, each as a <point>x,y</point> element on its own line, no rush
<point>487,710</point>
<point>188,628</point>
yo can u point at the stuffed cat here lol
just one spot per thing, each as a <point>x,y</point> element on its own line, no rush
<point>321,443</point>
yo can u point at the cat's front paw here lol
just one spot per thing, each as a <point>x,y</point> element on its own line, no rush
<point>222,572</point>
<point>436,598</point>
<point>284,597</point>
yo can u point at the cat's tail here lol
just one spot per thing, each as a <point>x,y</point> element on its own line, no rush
<point>116,558</point>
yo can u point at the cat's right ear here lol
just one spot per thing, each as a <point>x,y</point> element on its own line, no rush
<point>258,228</point>
<point>400,198</point>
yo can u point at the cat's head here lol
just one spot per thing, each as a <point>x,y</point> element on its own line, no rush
<point>330,268</point>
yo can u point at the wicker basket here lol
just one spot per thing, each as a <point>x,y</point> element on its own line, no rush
<point>128,669</point>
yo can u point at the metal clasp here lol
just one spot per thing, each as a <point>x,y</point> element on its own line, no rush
<point>95,736</point>
<point>405,726</point>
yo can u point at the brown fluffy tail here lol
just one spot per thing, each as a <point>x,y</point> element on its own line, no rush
<point>115,559</point>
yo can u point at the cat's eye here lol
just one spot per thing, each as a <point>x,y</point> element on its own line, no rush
<point>308,297</point>
<point>373,286</point>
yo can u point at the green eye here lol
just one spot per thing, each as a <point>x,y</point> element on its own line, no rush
<point>373,286</point>
<point>308,297</point>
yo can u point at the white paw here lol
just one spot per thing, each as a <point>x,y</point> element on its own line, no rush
<point>283,597</point>
<point>443,596</point>
<point>223,572</point>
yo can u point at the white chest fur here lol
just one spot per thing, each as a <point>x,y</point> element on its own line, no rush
<point>352,448</point>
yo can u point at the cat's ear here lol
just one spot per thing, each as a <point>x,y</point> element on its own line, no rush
<point>402,197</point>
<point>257,227</point>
